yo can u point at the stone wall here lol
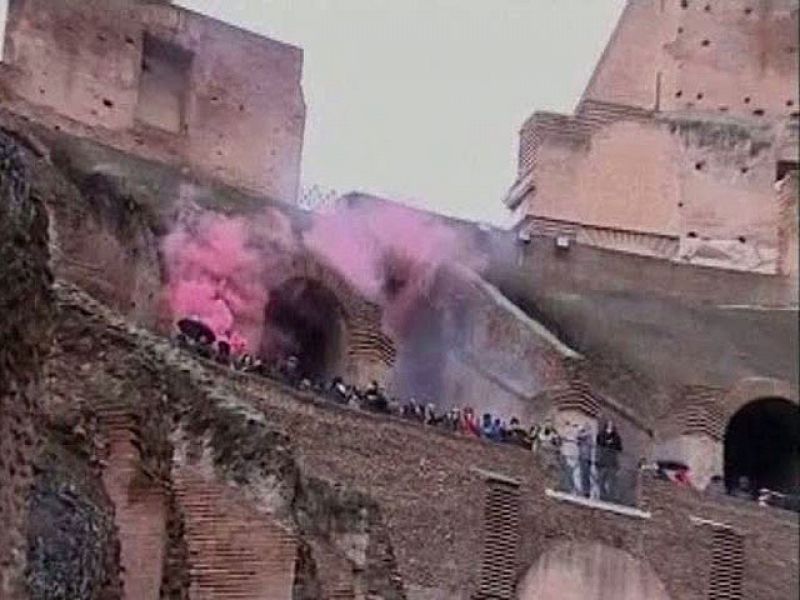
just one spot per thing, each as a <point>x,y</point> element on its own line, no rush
<point>73,546</point>
<point>24,339</point>
<point>104,238</point>
<point>423,481</point>
<point>644,325</point>
<point>738,57</point>
<point>58,538</point>
<point>678,140</point>
<point>469,346</point>
<point>430,489</point>
<point>110,211</point>
<point>602,185</point>
<point>789,226</point>
<point>162,82</point>
<point>209,498</point>
<point>732,56</point>
<point>676,324</point>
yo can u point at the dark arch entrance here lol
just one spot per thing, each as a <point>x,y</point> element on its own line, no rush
<point>303,318</point>
<point>762,443</point>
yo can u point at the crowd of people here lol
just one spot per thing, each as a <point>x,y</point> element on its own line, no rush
<point>589,463</point>
<point>593,467</point>
<point>197,337</point>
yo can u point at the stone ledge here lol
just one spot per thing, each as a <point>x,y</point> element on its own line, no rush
<point>695,520</point>
<point>599,504</point>
<point>495,476</point>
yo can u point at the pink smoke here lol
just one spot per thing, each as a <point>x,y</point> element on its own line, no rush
<point>220,269</point>
<point>389,253</point>
<point>217,276</point>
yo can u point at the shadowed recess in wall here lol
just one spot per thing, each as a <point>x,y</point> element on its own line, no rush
<point>304,319</point>
<point>762,444</point>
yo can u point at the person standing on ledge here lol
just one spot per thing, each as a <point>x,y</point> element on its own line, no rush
<point>584,441</point>
<point>609,447</point>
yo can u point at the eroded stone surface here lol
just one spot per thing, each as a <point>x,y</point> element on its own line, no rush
<point>72,542</point>
<point>24,337</point>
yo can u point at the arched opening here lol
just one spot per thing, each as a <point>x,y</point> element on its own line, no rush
<point>762,443</point>
<point>303,318</point>
<point>589,570</point>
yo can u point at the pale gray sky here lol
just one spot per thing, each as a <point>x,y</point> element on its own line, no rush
<point>421,100</point>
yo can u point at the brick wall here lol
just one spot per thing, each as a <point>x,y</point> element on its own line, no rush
<point>724,56</point>
<point>234,551</point>
<point>84,66</point>
<point>140,506</point>
<point>429,487</point>
<point>434,502</point>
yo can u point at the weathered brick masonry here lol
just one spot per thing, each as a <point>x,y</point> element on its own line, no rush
<point>428,487</point>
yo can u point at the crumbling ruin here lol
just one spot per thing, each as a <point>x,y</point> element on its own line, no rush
<point>709,89</point>
<point>134,468</point>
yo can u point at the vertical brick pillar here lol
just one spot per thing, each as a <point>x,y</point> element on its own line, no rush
<point>140,507</point>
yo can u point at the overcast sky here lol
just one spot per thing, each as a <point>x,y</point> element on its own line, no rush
<point>421,100</point>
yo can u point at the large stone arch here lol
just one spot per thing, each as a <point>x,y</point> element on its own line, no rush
<point>304,318</point>
<point>762,445</point>
<point>748,389</point>
<point>694,431</point>
<point>368,352</point>
<point>586,570</point>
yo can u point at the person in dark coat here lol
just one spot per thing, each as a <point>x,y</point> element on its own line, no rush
<point>375,398</point>
<point>487,426</point>
<point>338,390</point>
<point>609,448</point>
<point>517,435</point>
<point>291,371</point>
<point>223,355</point>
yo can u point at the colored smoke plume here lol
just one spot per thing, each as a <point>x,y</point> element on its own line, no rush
<point>221,269</point>
<point>218,272</point>
<point>389,253</point>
